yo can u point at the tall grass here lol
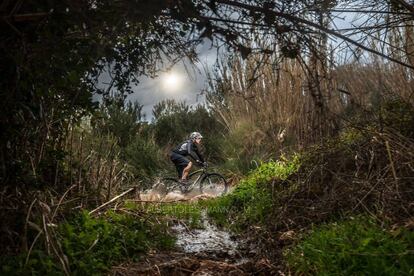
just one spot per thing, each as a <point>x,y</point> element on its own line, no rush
<point>270,109</point>
<point>94,163</point>
<point>276,100</point>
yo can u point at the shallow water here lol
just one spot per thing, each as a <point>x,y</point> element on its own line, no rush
<point>205,251</point>
<point>209,240</point>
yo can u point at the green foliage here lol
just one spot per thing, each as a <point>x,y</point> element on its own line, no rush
<point>348,137</point>
<point>353,247</point>
<point>399,115</point>
<point>39,263</point>
<point>190,213</point>
<point>385,112</point>
<point>251,201</point>
<point>120,119</point>
<point>174,121</point>
<point>243,145</point>
<point>94,244</point>
<point>143,156</point>
<point>240,146</point>
<point>280,169</point>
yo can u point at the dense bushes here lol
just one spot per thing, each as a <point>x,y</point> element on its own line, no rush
<point>102,155</point>
<point>173,122</point>
<point>144,157</point>
<point>358,246</point>
<point>244,145</point>
<point>367,169</point>
<point>250,202</point>
<point>144,146</point>
<point>364,172</point>
<point>92,245</point>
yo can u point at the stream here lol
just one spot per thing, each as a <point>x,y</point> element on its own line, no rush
<point>204,251</point>
<point>207,241</point>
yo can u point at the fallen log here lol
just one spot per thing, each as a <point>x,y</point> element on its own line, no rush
<point>110,201</point>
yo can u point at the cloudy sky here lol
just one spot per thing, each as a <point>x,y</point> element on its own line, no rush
<point>186,85</point>
<point>179,84</point>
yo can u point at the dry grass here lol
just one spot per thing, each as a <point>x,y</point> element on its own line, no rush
<point>366,85</point>
<point>373,174</point>
<point>279,101</point>
<point>95,166</point>
<point>91,173</point>
<point>288,108</point>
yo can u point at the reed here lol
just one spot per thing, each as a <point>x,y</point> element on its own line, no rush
<point>292,107</point>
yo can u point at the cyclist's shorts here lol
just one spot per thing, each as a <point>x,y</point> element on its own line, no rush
<point>179,160</point>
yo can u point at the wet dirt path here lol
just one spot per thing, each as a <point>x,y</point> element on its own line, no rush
<point>208,240</point>
<point>203,251</point>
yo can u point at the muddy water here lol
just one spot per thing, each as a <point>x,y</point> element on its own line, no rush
<point>206,241</point>
<point>205,251</point>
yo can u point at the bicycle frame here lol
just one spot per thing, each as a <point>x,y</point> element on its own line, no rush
<point>202,173</point>
<point>196,178</point>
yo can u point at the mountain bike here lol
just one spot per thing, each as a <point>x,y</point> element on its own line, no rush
<point>200,181</point>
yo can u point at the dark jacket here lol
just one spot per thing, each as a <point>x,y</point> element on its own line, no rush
<point>188,148</point>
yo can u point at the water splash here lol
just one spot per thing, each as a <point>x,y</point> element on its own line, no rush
<point>158,193</point>
<point>208,241</point>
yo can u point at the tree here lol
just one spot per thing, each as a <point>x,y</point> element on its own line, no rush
<point>122,120</point>
<point>52,52</point>
<point>174,121</point>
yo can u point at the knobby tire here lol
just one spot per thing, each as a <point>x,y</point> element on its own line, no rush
<point>214,182</point>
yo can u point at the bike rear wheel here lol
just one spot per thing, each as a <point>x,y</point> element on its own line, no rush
<point>214,183</point>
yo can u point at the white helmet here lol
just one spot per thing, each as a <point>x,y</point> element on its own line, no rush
<point>195,135</point>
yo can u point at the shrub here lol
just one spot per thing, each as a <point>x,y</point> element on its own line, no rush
<point>39,263</point>
<point>251,201</point>
<point>244,143</point>
<point>352,247</point>
<point>143,156</point>
<point>398,115</point>
<point>94,244</point>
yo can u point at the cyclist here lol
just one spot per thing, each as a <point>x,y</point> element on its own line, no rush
<point>186,149</point>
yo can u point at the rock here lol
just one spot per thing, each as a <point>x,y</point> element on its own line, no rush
<point>287,236</point>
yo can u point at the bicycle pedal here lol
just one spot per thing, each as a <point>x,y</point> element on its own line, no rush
<point>184,182</point>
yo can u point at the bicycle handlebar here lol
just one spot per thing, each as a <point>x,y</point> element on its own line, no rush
<point>202,164</point>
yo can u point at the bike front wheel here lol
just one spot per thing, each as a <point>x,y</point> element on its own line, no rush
<point>214,183</point>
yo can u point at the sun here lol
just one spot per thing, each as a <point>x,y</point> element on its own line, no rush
<point>172,82</point>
